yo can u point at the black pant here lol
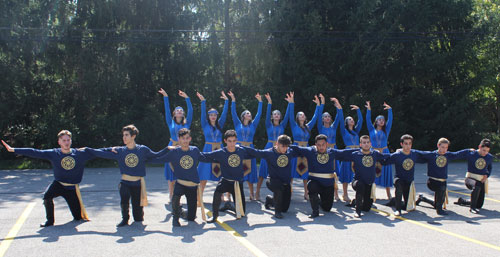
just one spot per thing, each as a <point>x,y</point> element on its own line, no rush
<point>191,194</point>
<point>224,186</point>
<point>402,191</point>
<point>477,195</point>
<point>439,188</point>
<point>282,194</point>
<point>56,189</point>
<point>320,195</point>
<point>363,196</point>
<point>128,193</point>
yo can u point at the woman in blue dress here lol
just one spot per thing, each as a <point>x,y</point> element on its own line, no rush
<point>212,129</point>
<point>245,130</point>
<point>329,129</point>
<point>275,126</point>
<point>379,133</point>
<point>175,123</point>
<point>301,131</point>
<point>350,135</point>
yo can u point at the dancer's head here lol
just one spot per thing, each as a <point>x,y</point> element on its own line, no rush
<point>64,139</point>
<point>406,142</point>
<point>283,143</point>
<point>321,143</point>
<point>179,116</point>
<point>129,133</point>
<point>246,117</point>
<point>443,144</point>
<point>326,118</point>
<point>184,136</point>
<point>276,117</point>
<point>365,143</point>
<point>484,147</point>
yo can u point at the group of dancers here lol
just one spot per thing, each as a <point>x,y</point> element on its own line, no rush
<point>366,162</point>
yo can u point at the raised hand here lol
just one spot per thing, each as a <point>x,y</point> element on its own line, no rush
<point>354,107</point>
<point>230,94</point>
<point>223,95</point>
<point>161,91</point>
<point>316,100</point>
<point>200,96</point>
<point>259,97</point>
<point>268,98</point>
<point>336,102</point>
<point>322,97</point>
<point>181,93</point>
<point>289,98</point>
<point>10,149</point>
<point>386,106</point>
<point>368,107</point>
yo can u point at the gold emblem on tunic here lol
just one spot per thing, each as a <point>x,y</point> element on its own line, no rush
<point>408,164</point>
<point>480,163</point>
<point>282,161</point>
<point>441,161</point>
<point>186,162</point>
<point>367,161</point>
<point>322,158</point>
<point>68,163</point>
<point>131,160</point>
<point>234,160</point>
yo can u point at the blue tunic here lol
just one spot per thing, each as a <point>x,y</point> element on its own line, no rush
<point>437,165</point>
<point>67,167</point>
<point>300,134</point>
<point>279,164</point>
<point>405,164</point>
<point>184,162</point>
<point>130,161</point>
<point>379,140</point>
<point>330,132</point>
<point>231,162</point>
<point>273,132</point>
<point>212,135</point>
<point>478,164</point>
<point>246,134</point>
<point>173,127</point>
<point>364,164</point>
<point>351,140</point>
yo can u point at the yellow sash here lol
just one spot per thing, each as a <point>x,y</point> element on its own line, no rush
<point>200,195</point>
<point>322,175</point>
<point>144,194</point>
<point>373,194</point>
<point>174,143</point>
<point>411,205</point>
<point>336,185</point>
<point>446,193</point>
<point>238,201</point>
<point>84,214</point>
<point>478,177</point>
<point>247,163</point>
<point>301,161</point>
<point>215,165</point>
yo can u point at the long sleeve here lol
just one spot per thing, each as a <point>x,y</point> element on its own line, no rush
<point>343,130</point>
<point>189,118</point>
<point>210,156</point>
<point>204,122</point>
<point>268,122</point>
<point>168,115</point>
<point>284,122</point>
<point>320,121</point>
<point>255,121</point>
<point>389,122</point>
<point>104,153</point>
<point>291,116</point>
<point>34,153</point>
<point>339,117</point>
<point>150,154</point>
<point>369,124</point>
<point>359,125</point>
<point>311,123</point>
<point>161,158</point>
<point>223,116</point>
<point>236,119</point>
<point>252,153</point>
<point>462,154</point>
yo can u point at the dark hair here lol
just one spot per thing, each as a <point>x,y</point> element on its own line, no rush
<point>242,118</point>
<point>183,132</point>
<point>364,137</point>
<point>284,140</point>
<point>230,133</point>
<point>217,126</point>
<point>305,127</point>
<point>406,137</point>
<point>281,117</point>
<point>383,127</point>
<point>320,137</point>
<point>131,129</point>
<point>485,143</point>
<point>183,121</point>
<point>347,127</point>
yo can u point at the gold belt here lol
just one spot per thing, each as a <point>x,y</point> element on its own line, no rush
<point>478,177</point>
<point>144,194</point>
<point>322,175</point>
<point>439,179</point>
<point>200,195</point>
<point>187,183</point>
<point>83,212</point>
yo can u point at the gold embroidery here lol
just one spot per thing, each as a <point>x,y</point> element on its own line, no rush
<point>234,160</point>
<point>441,161</point>
<point>480,163</point>
<point>68,163</point>
<point>282,161</point>
<point>322,158</point>
<point>367,161</point>
<point>408,164</point>
<point>131,160</point>
<point>186,162</point>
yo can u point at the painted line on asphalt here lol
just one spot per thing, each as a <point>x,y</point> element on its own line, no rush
<point>486,198</point>
<point>472,240</point>
<point>239,238</point>
<point>4,245</point>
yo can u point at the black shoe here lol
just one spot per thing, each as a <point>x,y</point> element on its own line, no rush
<point>461,202</point>
<point>213,220</point>
<point>391,202</point>
<point>474,210</point>
<point>268,203</point>
<point>47,224</point>
<point>176,223</point>
<point>314,214</point>
<point>183,215</point>
<point>352,203</point>
<point>122,223</point>
<point>441,212</point>
<point>278,215</point>
<point>227,206</point>
<point>420,197</point>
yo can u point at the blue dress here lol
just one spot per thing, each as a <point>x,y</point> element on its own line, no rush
<point>330,132</point>
<point>173,127</point>
<point>379,142</point>
<point>351,140</point>
<point>245,136</point>
<point>213,137</point>
<point>300,135</point>
<point>273,132</point>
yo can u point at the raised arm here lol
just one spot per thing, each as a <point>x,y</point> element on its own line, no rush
<point>389,118</point>
<point>189,117</point>
<point>268,122</point>
<point>223,116</point>
<point>359,125</point>
<point>317,113</point>
<point>234,115</point>
<point>339,117</point>
<point>319,121</point>
<point>369,124</point>
<point>168,114</point>
<point>255,121</point>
